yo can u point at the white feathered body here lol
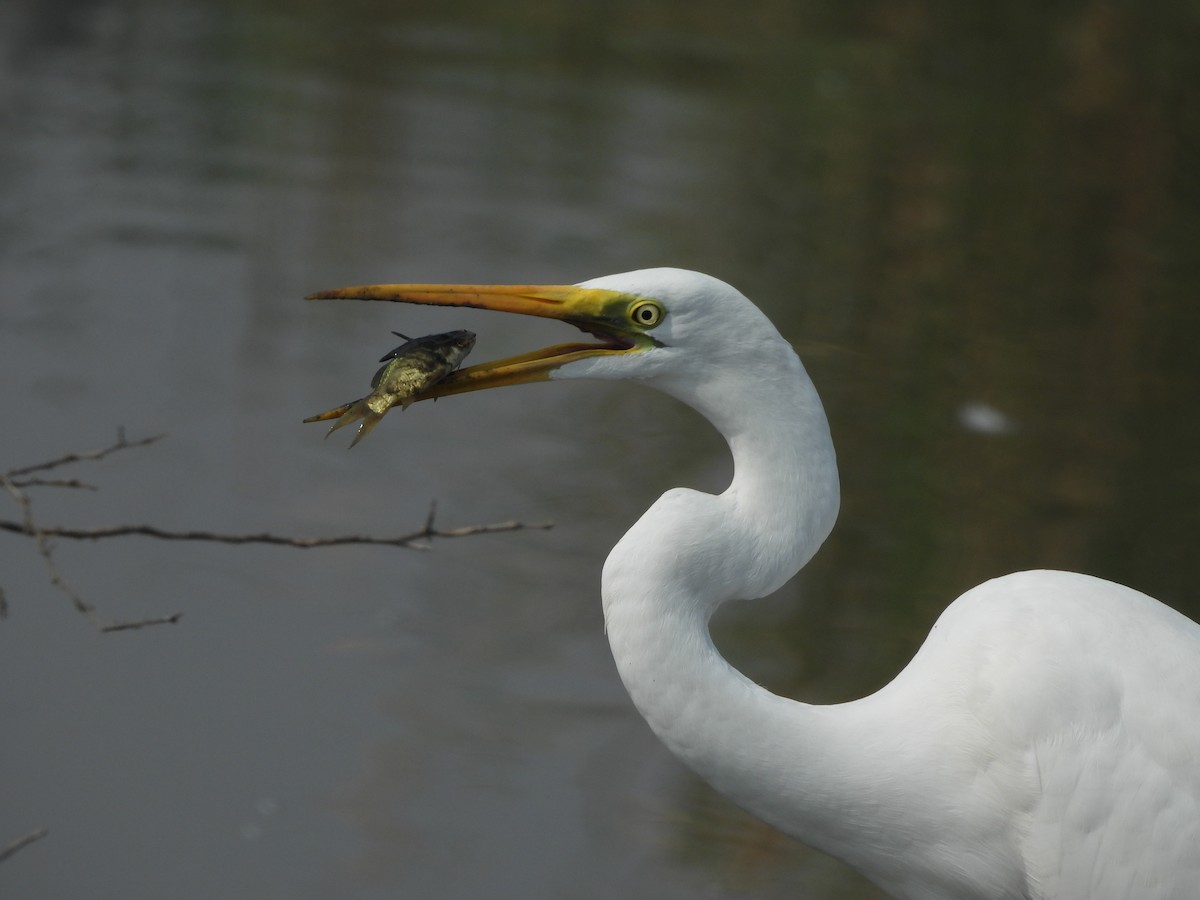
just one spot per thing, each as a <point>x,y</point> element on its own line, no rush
<point>1043,727</point>
<point>1043,743</point>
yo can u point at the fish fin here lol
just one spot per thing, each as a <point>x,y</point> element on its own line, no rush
<point>369,421</point>
<point>351,413</point>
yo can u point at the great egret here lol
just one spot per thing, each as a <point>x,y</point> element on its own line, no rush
<point>1043,743</point>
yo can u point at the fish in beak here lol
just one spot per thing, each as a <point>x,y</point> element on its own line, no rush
<point>620,323</point>
<point>406,372</point>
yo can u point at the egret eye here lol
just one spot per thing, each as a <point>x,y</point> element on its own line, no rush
<point>647,314</point>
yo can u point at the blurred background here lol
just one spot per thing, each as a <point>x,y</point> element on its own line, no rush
<point>977,223</point>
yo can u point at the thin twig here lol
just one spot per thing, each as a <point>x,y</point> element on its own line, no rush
<point>133,624</point>
<point>36,835</point>
<point>30,527</point>
<point>89,456</point>
<point>410,540</point>
<point>14,482</point>
<point>54,482</point>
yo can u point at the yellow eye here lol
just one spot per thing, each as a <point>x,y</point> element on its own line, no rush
<point>647,314</point>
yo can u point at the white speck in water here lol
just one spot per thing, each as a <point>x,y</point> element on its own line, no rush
<point>984,419</point>
<point>265,806</point>
<point>250,831</point>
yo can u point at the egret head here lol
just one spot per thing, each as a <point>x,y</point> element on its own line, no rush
<point>649,325</point>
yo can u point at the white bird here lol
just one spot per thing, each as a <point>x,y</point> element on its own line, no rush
<point>1043,743</point>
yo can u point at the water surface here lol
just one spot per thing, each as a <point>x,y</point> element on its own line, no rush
<point>979,231</point>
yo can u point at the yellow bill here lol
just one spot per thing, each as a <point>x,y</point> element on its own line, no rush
<point>619,321</point>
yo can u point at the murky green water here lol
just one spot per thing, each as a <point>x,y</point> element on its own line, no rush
<point>979,228</point>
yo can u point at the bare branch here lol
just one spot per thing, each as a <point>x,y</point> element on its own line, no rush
<point>89,456</point>
<point>132,624</point>
<point>20,843</point>
<point>54,482</point>
<point>45,548</point>
<point>15,482</point>
<point>411,540</point>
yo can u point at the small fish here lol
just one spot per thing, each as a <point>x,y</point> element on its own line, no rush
<point>417,364</point>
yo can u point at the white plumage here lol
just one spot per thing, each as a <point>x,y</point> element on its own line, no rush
<point>1043,743</point>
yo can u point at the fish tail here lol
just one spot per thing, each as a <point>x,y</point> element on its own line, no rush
<point>352,413</point>
<point>369,420</point>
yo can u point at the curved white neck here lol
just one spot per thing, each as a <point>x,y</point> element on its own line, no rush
<point>860,780</point>
<point>692,551</point>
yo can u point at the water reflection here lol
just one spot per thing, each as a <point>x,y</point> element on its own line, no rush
<point>941,205</point>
